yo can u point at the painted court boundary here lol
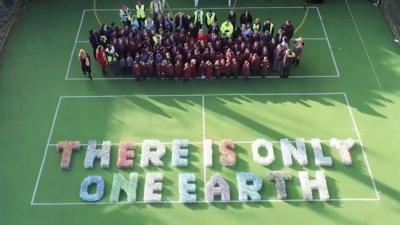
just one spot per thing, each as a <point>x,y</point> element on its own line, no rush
<point>355,128</point>
<point>326,38</point>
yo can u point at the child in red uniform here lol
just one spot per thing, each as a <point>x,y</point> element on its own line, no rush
<point>246,55</point>
<point>186,72</point>
<point>158,71</point>
<point>206,55</point>
<point>101,58</point>
<point>137,71</point>
<point>229,54</point>
<point>239,58</point>
<point>150,68</point>
<point>179,69</point>
<point>222,66</point>
<point>264,67</point>
<point>235,68</point>
<point>179,57</point>
<point>255,64</point>
<point>209,70</point>
<point>228,68</point>
<point>143,69</point>
<point>246,70</point>
<point>202,69</point>
<point>197,56</point>
<point>193,68</point>
<point>217,69</point>
<point>170,70</point>
<point>164,69</point>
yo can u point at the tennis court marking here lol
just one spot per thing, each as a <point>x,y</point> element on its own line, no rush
<point>326,38</point>
<point>364,47</point>
<point>355,128</point>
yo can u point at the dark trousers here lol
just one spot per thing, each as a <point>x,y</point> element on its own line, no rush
<point>296,62</point>
<point>141,22</point>
<point>285,70</point>
<point>127,23</point>
<point>199,25</point>
<point>87,71</point>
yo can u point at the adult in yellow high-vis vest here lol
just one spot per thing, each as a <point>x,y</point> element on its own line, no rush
<point>156,7</point>
<point>198,18</point>
<point>211,17</point>
<point>140,13</point>
<point>256,25</point>
<point>268,25</point>
<point>227,29</point>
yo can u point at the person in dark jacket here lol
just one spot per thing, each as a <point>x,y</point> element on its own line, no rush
<point>266,37</point>
<point>232,17</point>
<point>246,18</point>
<point>288,57</point>
<point>279,36</point>
<point>268,26</point>
<point>181,21</point>
<point>288,29</point>
<point>94,39</point>
<point>159,22</point>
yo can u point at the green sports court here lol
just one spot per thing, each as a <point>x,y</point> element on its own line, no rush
<point>345,89</point>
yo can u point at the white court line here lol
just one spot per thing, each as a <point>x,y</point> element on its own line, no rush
<point>45,152</point>
<point>76,40</point>
<point>89,42</point>
<point>214,142</point>
<point>204,138</point>
<point>204,202</point>
<point>329,43</point>
<point>316,39</point>
<point>371,65</point>
<point>219,8</point>
<point>362,147</point>
<point>208,95</point>
<point>199,78</point>
<point>364,47</point>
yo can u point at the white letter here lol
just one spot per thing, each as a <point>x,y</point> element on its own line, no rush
<point>93,153</point>
<point>344,149</point>
<point>208,153</point>
<point>153,187</point>
<point>152,150</point>
<point>187,187</point>
<point>217,186</point>
<point>180,153</point>
<point>248,186</point>
<point>279,177</point>
<point>319,184</point>
<point>298,152</point>
<point>129,187</point>
<point>86,183</point>
<point>320,159</point>
<point>262,160</point>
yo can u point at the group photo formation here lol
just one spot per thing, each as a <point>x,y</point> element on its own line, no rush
<point>152,42</point>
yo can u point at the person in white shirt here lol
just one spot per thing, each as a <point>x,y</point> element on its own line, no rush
<point>125,15</point>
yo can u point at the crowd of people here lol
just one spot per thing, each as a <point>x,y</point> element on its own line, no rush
<point>184,46</point>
